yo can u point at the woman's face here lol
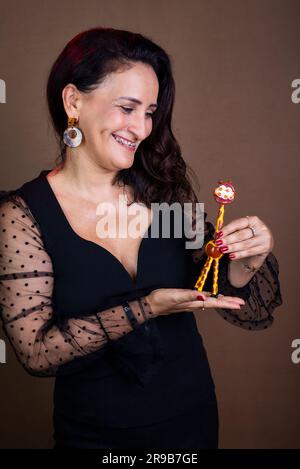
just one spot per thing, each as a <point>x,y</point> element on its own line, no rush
<point>104,115</point>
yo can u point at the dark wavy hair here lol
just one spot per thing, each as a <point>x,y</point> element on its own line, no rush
<point>159,172</point>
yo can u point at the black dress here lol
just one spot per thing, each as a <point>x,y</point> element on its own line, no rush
<point>117,385</point>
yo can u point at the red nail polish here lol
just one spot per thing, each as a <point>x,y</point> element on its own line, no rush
<point>219,234</point>
<point>223,248</point>
<point>232,256</point>
<point>219,242</point>
<point>200,297</point>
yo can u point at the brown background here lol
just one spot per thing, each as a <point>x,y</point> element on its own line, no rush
<point>233,62</point>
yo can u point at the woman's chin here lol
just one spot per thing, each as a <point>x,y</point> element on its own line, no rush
<point>125,162</point>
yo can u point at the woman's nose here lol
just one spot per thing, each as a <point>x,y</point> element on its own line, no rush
<point>139,127</point>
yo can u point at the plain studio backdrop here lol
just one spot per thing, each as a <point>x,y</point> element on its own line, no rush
<point>234,63</point>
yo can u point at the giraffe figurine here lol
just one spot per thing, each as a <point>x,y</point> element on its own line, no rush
<point>223,194</point>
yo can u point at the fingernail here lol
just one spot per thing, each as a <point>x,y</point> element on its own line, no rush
<point>223,248</point>
<point>219,234</point>
<point>232,256</point>
<point>200,297</point>
<point>219,242</point>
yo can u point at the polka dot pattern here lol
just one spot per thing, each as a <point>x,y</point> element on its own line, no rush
<point>26,310</point>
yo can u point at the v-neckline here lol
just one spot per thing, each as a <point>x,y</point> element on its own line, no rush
<point>133,280</point>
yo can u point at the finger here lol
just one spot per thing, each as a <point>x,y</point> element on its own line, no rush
<point>194,299</point>
<point>250,243</point>
<point>234,225</point>
<point>233,298</point>
<point>239,237</point>
<point>254,251</point>
<point>183,296</point>
<point>194,305</point>
<point>236,299</point>
<point>211,302</point>
<point>222,303</point>
<point>225,302</point>
<point>189,301</point>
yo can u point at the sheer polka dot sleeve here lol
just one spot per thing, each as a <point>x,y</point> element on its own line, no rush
<point>26,283</point>
<point>262,294</point>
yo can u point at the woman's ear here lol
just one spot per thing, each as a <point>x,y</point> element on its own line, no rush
<point>71,97</point>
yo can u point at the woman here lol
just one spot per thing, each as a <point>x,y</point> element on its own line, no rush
<point>97,312</point>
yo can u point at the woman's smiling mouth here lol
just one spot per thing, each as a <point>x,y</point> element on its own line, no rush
<point>125,143</point>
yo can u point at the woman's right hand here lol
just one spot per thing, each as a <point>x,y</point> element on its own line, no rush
<point>165,301</point>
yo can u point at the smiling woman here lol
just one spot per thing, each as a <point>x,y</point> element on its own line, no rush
<point>119,92</point>
<point>113,319</point>
<point>102,116</point>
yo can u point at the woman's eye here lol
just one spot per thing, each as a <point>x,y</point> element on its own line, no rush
<point>129,109</point>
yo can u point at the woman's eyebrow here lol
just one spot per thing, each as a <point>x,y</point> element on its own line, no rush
<point>137,101</point>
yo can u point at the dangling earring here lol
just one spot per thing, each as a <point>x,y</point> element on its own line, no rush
<point>72,135</point>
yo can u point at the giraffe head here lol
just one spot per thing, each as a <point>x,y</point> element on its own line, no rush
<point>224,192</point>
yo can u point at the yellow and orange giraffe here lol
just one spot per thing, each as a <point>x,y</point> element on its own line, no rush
<point>224,194</point>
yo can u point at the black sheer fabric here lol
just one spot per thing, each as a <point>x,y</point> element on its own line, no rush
<point>47,346</point>
<point>43,342</point>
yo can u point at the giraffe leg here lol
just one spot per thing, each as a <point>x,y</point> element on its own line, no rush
<point>203,276</point>
<point>215,278</point>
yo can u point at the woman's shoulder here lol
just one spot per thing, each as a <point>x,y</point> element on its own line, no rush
<point>13,209</point>
<point>10,198</point>
<point>23,212</point>
<point>31,183</point>
<point>16,200</point>
<point>34,185</point>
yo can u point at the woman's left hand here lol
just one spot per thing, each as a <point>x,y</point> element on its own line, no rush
<point>239,239</point>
